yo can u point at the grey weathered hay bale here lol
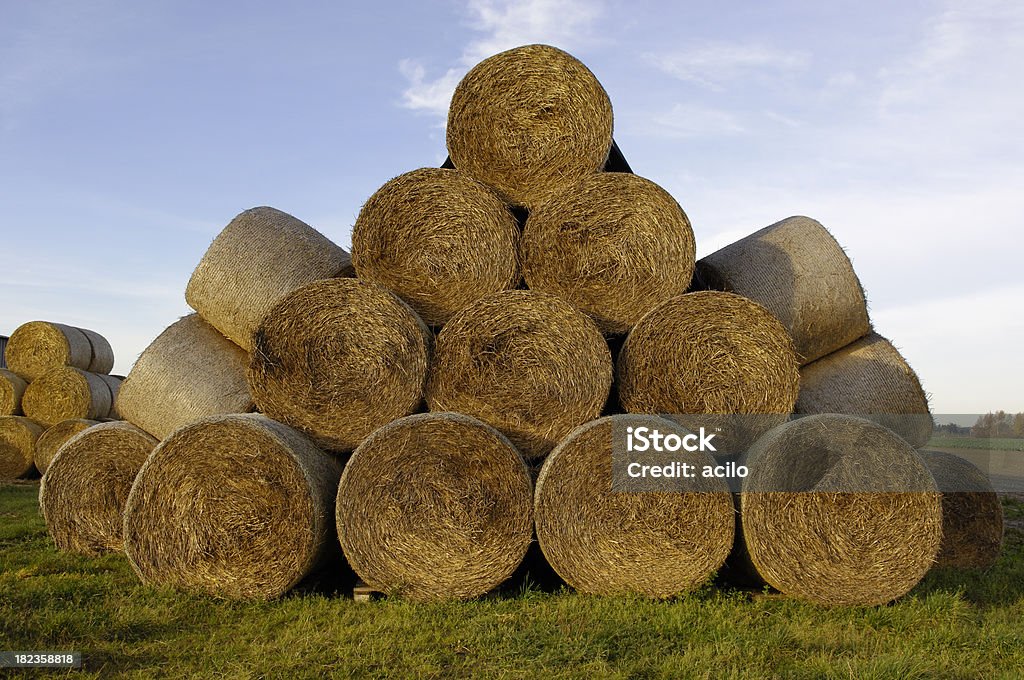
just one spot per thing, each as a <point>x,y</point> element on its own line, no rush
<point>12,387</point>
<point>102,359</point>
<point>86,486</point>
<point>237,506</point>
<point>659,543</point>
<point>710,353</point>
<point>869,378</point>
<point>524,362</point>
<point>190,371</point>
<point>63,393</point>
<point>529,120</point>
<point>439,239</point>
<point>18,436</point>
<point>38,346</point>
<point>55,437</point>
<point>260,256</point>
<point>838,510</point>
<point>339,358</point>
<point>614,245</point>
<point>798,272</point>
<point>435,506</point>
<point>972,516</point>
<point>113,383</point>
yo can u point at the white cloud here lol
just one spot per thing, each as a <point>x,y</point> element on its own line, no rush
<point>504,24</point>
<point>715,64</point>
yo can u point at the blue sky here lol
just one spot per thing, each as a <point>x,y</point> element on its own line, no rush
<point>131,133</point>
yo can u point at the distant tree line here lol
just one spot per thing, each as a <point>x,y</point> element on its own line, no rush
<point>999,424</point>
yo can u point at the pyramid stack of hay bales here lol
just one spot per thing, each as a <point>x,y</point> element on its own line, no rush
<point>86,485</point>
<point>435,506</point>
<point>55,437</point>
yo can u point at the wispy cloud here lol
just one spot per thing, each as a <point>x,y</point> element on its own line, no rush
<point>504,24</point>
<point>693,121</point>
<point>716,64</point>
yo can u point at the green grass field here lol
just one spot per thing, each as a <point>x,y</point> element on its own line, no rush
<point>993,444</point>
<point>953,625</point>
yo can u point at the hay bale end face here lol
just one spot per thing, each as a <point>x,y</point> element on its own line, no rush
<point>39,346</point>
<point>86,486</point>
<point>839,511</point>
<point>524,362</point>
<point>338,359</point>
<point>871,379</point>
<point>972,516</point>
<point>55,437</point>
<point>12,388</point>
<point>527,121</point>
<point>18,436</point>
<point>613,245</point>
<point>657,543</point>
<point>797,271</point>
<point>189,372</point>
<point>435,506</point>
<point>710,353</point>
<point>237,506</point>
<point>64,393</point>
<point>261,255</point>
<point>439,239</point>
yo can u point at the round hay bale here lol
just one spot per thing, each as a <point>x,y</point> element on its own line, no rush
<point>260,256</point>
<point>439,239</point>
<point>85,488</point>
<point>12,388</point>
<point>339,358</point>
<point>839,511</point>
<point>102,360</point>
<point>524,362</point>
<point>972,516</point>
<point>237,506</point>
<point>529,120</point>
<point>55,437</point>
<point>18,437</point>
<point>658,543</point>
<point>190,371</point>
<point>613,245</point>
<point>39,346</point>
<point>871,379</point>
<point>113,383</point>
<point>797,271</point>
<point>710,353</point>
<point>63,393</point>
<point>435,506</point>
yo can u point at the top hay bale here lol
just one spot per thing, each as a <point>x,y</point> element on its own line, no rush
<point>614,245</point>
<point>260,256</point>
<point>798,272</point>
<point>529,120</point>
<point>439,239</point>
<point>38,346</point>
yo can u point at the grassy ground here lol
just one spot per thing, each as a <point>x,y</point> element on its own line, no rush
<point>993,444</point>
<point>953,625</point>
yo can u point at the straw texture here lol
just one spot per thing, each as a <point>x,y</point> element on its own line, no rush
<point>39,346</point>
<point>237,506</point>
<point>839,511</point>
<point>658,543</point>
<point>613,245</point>
<point>12,388</point>
<point>55,437</point>
<point>439,239</point>
<point>529,120</point>
<point>435,506</point>
<point>64,393</point>
<point>339,358</point>
<point>797,271</point>
<point>84,491</point>
<point>869,378</point>
<point>259,257</point>
<point>524,362</point>
<point>190,371</point>
<point>18,437</point>
<point>972,516</point>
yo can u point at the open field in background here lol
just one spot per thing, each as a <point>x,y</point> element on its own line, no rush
<point>993,444</point>
<point>954,624</point>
